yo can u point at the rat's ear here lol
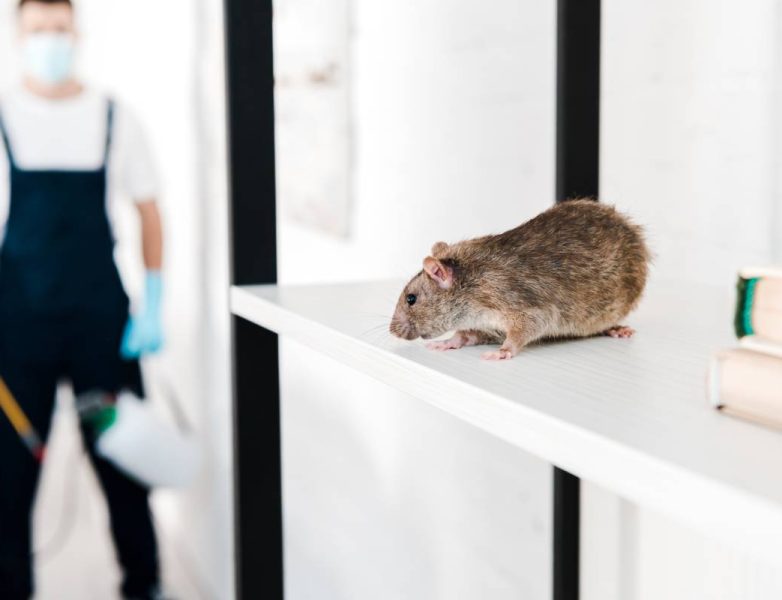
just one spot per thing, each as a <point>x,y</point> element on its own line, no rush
<point>440,273</point>
<point>439,249</point>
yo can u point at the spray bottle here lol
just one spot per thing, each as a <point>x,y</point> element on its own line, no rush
<point>129,433</point>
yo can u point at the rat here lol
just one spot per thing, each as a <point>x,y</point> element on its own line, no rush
<point>576,270</point>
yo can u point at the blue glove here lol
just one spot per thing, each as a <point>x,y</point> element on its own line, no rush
<point>144,331</point>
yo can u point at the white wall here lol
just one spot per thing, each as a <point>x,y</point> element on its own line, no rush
<point>689,129</point>
<point>453,133</point>
<point>386,497</point>
<point>691,146</point>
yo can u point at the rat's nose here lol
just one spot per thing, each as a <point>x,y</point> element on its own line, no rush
<point>402,329</point>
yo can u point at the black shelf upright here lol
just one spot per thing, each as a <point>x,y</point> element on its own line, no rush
<point>577,175</point>
<point>258,539</point>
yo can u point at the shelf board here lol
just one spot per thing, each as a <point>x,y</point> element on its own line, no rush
<point>630,415</point>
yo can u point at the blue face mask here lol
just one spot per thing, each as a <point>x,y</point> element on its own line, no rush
<point>48,57</point>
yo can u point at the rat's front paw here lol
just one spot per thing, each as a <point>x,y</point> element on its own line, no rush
<point>501,354</point>
<point>452,344</point>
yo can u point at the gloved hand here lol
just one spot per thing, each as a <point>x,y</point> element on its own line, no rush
<point>144,331</point>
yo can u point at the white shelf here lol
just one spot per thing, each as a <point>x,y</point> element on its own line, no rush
<point>630,415</point>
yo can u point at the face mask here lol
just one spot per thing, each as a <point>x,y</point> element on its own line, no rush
<point>48,57</point>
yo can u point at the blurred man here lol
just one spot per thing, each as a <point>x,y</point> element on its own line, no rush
<point>64,314</point>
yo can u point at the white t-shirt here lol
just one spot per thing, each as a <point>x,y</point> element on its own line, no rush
<point>71,134</point>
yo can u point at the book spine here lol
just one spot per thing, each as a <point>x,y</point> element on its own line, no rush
<point>745,296</point>
<point>758,306</point>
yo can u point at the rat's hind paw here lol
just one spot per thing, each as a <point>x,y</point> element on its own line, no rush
<point>501,354</point>
<point>619,331</point>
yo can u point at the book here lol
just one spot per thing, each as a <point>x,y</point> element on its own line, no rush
<point>759,304</point>
<point>762,345</point>
<point>747,384</point>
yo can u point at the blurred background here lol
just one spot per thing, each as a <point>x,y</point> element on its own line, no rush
<point>400,124</point>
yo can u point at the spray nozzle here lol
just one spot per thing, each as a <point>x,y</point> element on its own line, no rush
<point>97,409</point>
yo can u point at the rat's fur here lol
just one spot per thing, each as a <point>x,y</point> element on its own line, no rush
<point>575,270</point>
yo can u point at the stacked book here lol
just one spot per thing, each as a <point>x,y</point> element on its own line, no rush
<point>747,381</point>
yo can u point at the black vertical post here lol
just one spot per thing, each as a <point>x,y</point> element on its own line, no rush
<point>257,465</point>
<point>567,524</point>
<point>578,166</point>
<point>578,98</point>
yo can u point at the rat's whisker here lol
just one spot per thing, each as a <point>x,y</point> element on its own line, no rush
<point>367,316</point>
<point>377,328</point>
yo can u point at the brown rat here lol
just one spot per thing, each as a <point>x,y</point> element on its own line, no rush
<point>575,270</point>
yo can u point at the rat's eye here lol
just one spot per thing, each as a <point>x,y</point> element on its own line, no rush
<point>411,298</point>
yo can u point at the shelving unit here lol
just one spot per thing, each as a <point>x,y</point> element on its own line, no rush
<point>630,415</point>
<point>627,415</point>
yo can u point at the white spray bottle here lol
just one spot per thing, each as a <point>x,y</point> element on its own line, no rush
<point>132,436</point>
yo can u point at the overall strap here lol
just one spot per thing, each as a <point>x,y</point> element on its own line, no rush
<point>109,130</point>
<point>6,141</point>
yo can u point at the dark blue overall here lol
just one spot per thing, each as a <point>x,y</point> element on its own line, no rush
<point>62,312</point>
